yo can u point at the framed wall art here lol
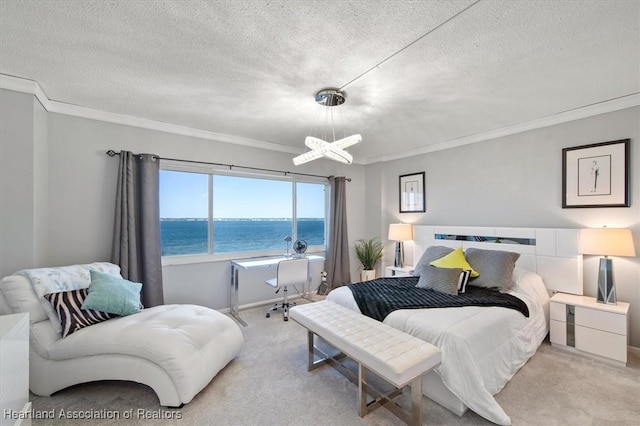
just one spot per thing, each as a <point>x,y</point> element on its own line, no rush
<point>412,194</point>
<point>596,175</point>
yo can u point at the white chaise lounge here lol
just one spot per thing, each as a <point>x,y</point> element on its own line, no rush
<point>174,349</point>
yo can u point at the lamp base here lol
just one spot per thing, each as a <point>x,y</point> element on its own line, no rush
<point>606,288</point>
<point>399,259</point>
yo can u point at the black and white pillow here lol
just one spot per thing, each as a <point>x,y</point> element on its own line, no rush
<point>464,279</point>
<point>67,305</point>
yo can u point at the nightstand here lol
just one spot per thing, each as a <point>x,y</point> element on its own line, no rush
<point>396,271</point>
<point>597,329</point>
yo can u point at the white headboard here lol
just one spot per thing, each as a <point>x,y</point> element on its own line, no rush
<point>551,253</point>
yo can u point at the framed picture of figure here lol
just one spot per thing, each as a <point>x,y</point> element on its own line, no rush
<point>596,175</point>
<point>412,194</point>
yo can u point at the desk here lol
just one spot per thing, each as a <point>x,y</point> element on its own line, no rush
<point>253,263</point>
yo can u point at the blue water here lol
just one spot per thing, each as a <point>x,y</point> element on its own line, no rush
<point>189,236</point>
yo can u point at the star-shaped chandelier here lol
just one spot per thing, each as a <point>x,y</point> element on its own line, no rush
<point>334,150</point>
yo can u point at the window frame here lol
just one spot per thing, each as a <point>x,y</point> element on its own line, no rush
<point>210,171</point>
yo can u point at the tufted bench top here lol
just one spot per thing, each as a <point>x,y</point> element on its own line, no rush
<point>392,354</point>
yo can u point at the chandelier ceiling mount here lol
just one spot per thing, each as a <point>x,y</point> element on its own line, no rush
<point>330,97</point>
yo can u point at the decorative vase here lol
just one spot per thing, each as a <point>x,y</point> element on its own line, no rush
<point>367,274</point>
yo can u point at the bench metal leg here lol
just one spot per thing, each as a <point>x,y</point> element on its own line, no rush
<point>311,349</point>
<point>412,417</point>
<point>416,401</point>
<point>362,391</point>
<point>323,358</point>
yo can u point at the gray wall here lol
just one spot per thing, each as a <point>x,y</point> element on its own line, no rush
<point>517,181</point>
<point>58,190</point>
<point>23,181</point>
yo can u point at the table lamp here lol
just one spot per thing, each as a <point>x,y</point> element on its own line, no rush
<point>400,232</point>
<point>606,242</point>
<point>288,240</point>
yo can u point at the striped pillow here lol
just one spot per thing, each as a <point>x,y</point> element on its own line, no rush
<point>430,254</point>
<point>495,267</point>
<point>464,279</point>
<point>444,280</point>
<point>73,318</point>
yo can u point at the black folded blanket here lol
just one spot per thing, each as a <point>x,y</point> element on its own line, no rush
<point>378,298</point>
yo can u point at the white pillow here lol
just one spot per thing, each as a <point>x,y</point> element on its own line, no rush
<point>62,278</point>
<point>530,284</point>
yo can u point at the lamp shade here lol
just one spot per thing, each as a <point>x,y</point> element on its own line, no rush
<point>400,232</point>
<point>607,242</point>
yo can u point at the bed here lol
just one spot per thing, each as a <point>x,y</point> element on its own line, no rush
<point>483,347</point>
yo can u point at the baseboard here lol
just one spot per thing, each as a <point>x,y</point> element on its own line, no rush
<point>634,350</point>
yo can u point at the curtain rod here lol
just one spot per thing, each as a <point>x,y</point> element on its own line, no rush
<point>112,153</point>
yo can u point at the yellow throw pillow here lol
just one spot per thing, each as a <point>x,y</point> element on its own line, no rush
<point>455,259</point>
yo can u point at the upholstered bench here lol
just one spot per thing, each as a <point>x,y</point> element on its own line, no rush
<point>391,354</point>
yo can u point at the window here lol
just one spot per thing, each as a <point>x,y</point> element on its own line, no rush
<point>216,214</point>
<point>310,225</point>
<point>184,214</point>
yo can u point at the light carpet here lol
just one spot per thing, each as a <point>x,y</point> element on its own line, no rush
<point>268,384</point>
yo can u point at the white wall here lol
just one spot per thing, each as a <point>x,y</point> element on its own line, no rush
<point>517,181</point>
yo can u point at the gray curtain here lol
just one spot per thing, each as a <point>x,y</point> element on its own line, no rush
<point>136,234</point>
<point>338,268</point>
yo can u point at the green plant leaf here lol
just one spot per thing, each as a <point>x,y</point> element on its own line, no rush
<point>369,252</point>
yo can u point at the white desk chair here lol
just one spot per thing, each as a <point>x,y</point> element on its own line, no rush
<point>290,272</point>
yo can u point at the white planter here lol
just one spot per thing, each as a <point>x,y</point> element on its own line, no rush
<point>367,274</point>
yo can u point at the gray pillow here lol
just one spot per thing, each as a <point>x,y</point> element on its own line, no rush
<point>494,266</point>
<point>444,280</point>
<point>430,254</point>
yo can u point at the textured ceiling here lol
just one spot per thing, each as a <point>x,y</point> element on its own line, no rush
<point>434,71</point>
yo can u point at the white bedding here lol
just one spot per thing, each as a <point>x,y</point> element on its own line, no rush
<point>482,347</point>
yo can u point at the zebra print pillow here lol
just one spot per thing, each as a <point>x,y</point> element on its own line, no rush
<point>68,304</point>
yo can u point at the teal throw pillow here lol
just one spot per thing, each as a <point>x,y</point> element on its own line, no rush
<point>108,293</point>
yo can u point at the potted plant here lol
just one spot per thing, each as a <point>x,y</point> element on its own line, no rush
<point>369,253</point>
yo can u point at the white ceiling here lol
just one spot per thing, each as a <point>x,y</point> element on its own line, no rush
<point>434,71</point>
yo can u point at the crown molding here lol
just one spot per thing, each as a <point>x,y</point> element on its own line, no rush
<point>32,87</point>
<point>24,85</point>
<point>611,105</point>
